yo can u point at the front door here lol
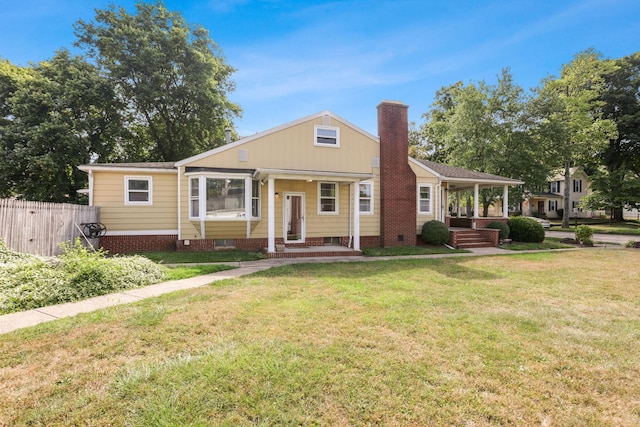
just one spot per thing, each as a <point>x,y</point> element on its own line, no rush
<point>294,217</point>
<point>540,207</point>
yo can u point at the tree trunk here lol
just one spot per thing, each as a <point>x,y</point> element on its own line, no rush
<point>567,193</point>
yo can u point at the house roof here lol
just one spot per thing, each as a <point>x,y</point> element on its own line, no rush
<point>166,167</point>
<point>454,173</point>
<point>273,130</point>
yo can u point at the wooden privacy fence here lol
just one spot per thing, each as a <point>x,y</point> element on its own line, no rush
<point>39,227</point>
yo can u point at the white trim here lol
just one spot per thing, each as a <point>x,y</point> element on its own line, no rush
<point>430,186</point>
<point>128,178</point>
<point>233,175</point>
<point>140,232</point>
<point>190,198</point>
<point>356,214</point>
<point>336,197</point>
<point>371,197</point>
<point>274,130</point>
<point>295,174</point>
<point>316,128</point>
<point>179,207</point>
<point>271,211</point>
<point>115,168</point>
<point>91,183</point>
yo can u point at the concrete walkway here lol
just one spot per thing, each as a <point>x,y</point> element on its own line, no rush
<point>14,321</point>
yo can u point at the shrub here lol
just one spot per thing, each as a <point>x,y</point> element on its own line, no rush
<point>435,233</point>
<point>502,226</point>
<point>583,235</point>
<point>28,281</point>
<point>523,229</point>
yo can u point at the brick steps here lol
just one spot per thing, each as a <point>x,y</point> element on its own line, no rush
<point>471,239</point>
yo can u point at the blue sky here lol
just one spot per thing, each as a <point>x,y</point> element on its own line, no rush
<point>295,58</point>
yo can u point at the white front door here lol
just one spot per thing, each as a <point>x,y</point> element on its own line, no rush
<point>294,211</point>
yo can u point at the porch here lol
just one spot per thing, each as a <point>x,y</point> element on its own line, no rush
<point>283,251</point>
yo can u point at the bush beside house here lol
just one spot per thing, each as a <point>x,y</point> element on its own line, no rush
<point>524,229</point>
<point>435,233</point>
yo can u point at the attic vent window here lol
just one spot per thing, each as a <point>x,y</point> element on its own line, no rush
<point>326,136</point>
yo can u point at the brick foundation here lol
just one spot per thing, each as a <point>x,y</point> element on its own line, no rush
<point>128,244</point>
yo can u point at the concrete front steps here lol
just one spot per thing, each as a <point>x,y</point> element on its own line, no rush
<point>468,239</point>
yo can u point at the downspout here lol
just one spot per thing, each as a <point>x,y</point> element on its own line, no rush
<point>179,206</point>
<point>349,244</point>
<point>90,187</point>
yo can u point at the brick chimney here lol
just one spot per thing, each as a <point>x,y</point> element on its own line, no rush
<point>398,197</point>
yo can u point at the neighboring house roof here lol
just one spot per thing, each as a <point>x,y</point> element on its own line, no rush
<point>559,174</point>
<point>545,194</point>
<point>453,173</point>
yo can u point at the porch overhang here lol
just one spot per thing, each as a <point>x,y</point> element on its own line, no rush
<point>464,184</point>
<point>306,175</point>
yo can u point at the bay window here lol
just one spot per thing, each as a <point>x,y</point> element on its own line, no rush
<point>222,198</point>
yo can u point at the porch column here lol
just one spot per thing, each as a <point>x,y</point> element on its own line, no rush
<point>356,216</point>
<point>271,213</point>
<point>476,193</point>
<point>505,201</point>
<point>458,210</point>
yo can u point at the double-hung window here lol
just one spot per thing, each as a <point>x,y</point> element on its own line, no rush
<point>255,198</point>
<point>577,186</point>
<point>424,198</point>
<point>554,186</point>
<point>327,198</point>
<point>194,197</point>
<point>138,190</point>
<point>366,197</point>
<point>553,205</point>
<point>326,136</point>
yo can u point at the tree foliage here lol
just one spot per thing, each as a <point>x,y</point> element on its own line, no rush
<point>580,133</point>
<point>171,76</point>
<point>56,115</point>
<point>485,127</point>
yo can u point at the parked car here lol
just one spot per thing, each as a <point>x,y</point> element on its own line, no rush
<point>545,223</point>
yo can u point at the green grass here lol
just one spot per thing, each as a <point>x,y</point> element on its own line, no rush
<point>548,243</point>
<point>545,338</point>
<point>202,256</point>
<point>410,250</point>
<point>186,271</point>
<point>603,226</point>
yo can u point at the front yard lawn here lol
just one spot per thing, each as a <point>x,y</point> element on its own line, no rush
<point>183,257</point>
<point>527,339</point>
<point>410,250</point>
<point>548,243</point>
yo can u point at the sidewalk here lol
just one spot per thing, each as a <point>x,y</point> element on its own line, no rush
<point>14,321</point>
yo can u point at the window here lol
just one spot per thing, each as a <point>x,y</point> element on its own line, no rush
<point>255,198</point>
<point>553,205</point>
<point>575,206</point>
<point>327,198</point>
<point>224,198</point>
<point>554,186</point>
<point>194,198</point>
<point>577,186</point>
<point>366,197</point>
<point>326,136</point>
<point>424,199</point>
<point>138,190</point>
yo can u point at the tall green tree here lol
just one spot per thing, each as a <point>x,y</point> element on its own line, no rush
<point>171,75</point>
<point>56,116</point>
<point>486,127</point>
<point>574,112</point>
<point>619,180</point>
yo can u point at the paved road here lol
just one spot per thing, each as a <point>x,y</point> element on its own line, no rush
<point>619,239</point>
